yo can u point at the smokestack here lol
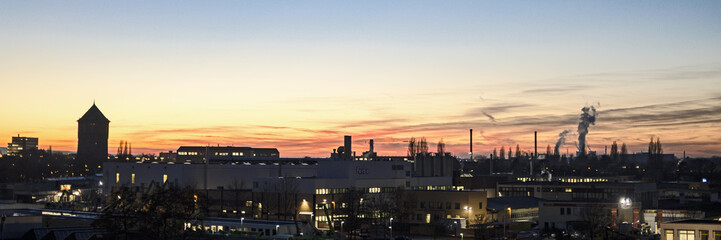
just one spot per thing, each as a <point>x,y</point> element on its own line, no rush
<point>371,146</point>
<point>535,144</point>
<point>347,147</point>
<point>535,150</point>
<point>490,161</point>
<point>471,144</point>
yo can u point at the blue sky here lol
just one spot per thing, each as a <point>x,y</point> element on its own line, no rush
<point>314,66</point>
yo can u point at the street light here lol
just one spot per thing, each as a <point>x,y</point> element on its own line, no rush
<point>461,236</point>
<point>341,226</point>
<point>391,227</point>
<point>241,224</point>
<point>469,215</point>
<point>506,218</point>
<point>276,229</point>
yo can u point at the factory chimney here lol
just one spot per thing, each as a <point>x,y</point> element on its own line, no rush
<point>371,146</point>
<point>347,147</point>
<point>535,150</point>
<point>471,144</point>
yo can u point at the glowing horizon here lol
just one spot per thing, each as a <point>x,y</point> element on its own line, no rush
<point>299,76</point>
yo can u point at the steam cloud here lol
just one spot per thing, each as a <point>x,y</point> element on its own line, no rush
<point>588,118</point>
<point>561,140</point>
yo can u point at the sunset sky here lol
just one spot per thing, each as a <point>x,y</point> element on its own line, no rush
<point>298,75</point>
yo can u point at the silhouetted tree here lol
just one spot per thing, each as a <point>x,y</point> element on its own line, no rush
<point>655,161</point>
<point>548,151</point>
<point>412,148</point>
<point>518,151</point>
<point>441,147</point>
<point>159,212</point>
<point>614,151</point>
<point>596,217</point>
<point>503,153</point>
<point>423,146</point>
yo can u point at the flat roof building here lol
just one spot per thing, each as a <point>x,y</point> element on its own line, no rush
<point>691,229</point>
<point>198,154</point>
<point>22,144</point>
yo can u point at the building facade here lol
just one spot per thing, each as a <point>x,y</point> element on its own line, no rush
<point>20,145</point>
<point>199,154</point>
<point>691,229</point>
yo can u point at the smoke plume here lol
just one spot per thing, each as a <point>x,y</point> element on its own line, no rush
<point>561,140</point>
<point>588,118</point>
<point>490,117</point>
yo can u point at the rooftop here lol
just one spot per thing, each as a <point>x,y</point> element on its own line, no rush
<point>94,115</point>
<point>698,221</point>
<point>513,202</point>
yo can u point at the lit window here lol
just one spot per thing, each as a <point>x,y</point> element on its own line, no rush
<point>686,234</point>
<point>165,178</point>
<point>132,178</point>
<point>669,233</point>
<point>117,177</point>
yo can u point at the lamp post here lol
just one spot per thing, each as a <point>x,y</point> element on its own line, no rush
<point>469,215</point>
<point>2,227</point>
<point>391,227</point>
<point>241,224</point>
<point>507,217</point>
<point>276,229</point>
<point>461,236</point>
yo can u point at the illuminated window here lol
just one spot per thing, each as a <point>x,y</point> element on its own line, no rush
<point>117,177</point>
<point>569,190</point>
<point>374,190</point>
<point>322,191</point>
<point>703,234</point>
<point>165,178</point>
<point>669,233</point>
<point>686,234</point>
<point>132,178</point>
<point>237,153</point>
<point>248,203</point>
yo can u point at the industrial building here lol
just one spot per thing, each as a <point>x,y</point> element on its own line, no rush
<point>320,191</point>
<point>643,192</point>
<point>199,154</point>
